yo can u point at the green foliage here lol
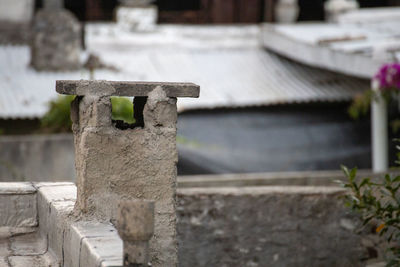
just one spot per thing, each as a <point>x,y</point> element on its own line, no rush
<point>360,105</point>
<point>378,201</point>
<point>57,119</point>
<point>122,109</point>
<point>395,124</point>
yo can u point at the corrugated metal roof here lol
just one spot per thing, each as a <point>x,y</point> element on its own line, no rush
<point>234,77</point>
<point>229,77</point>
<point>24,93</point>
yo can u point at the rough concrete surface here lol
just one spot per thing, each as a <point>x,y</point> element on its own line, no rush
<point>236,226</point>
<point>55,206</point>
<point>266,226</point>
<point>25,249</point>
<point>18,206</point>
<point>119,88</point>
<point>139,163</point>
<point>56,41</point>
<point>135,226</point>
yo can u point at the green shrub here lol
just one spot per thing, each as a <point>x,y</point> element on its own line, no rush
<point>57,118</point>
<point>378,201</point>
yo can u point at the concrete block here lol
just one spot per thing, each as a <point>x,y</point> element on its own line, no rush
<point>136,220</point>
<point>49,193</point>
<point>112,263</point>
<point>72,247</point>
<point>28,245</point>
<point>9,231</point>
<point>32,261</point>
<point>16,188</point>
<point>95,229</point>
<point>75,234</point>
<point>41,184</point>
<point>58,192</point>
<point>4,248</point>
<point>3,262</point>
<point>97,249</point>
<point>58,223</point>
<point>18,210</point>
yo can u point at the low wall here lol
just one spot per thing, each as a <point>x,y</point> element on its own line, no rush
<point>270,226</point>
<point>243,226</point>
<point>37,158</point>
<point>51,158</point>
<point>301,178</point>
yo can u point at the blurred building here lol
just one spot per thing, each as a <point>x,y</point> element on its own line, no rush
<point>208,11</point>
<point>261,108</point>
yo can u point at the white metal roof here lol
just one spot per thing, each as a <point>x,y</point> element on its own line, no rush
<point>229,76</point>
<point>346,47</point>
<point>24,93</point>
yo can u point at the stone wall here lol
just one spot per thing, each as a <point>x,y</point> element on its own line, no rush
<point>247,226</point>
<point>268,226</point>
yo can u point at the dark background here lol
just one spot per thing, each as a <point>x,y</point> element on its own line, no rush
<point>208,11</point>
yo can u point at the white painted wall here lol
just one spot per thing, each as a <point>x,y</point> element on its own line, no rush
<point>17,11</point>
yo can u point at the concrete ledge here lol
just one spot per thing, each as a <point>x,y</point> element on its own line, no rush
<point>310,178</point>
<point>17,188</point>
<point>18,206</point>
<point>262,190</point>
<point>91,243</point>
<point>75,243</point>
<point>55,206</point>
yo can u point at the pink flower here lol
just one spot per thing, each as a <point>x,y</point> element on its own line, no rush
<point>388,76</point>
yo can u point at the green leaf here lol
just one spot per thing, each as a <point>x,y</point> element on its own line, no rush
<point>387,178</point>
<point>365,181</point>
<point>353,173</point>
<point>345,170</point>
<point>396,179</point>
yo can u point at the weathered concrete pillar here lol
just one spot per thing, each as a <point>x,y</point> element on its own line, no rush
<point>139,163</point>
<point>56,39</point>
<point>135,225</point>
<point>53,4</point>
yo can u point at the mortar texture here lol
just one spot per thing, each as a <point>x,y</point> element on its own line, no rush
<point>267,226</point>
<point>139,163</point>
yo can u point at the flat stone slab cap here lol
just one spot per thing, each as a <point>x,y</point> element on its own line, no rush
<point>122,88</point>
<point>16,188</point>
